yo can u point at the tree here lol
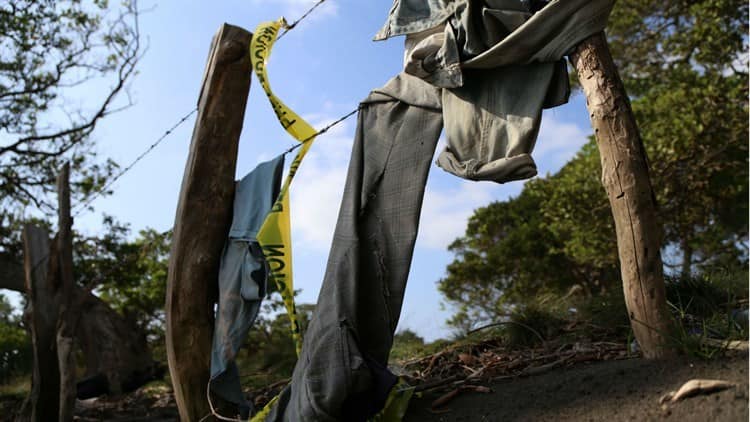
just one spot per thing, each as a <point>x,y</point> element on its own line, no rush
<point>506,257</point>
<point>129,275</point>
<point>114,340</point>
<point>576,213</point>
<point>270,348</point>
<point>684,65</point>
<point>15,348</point>
<point>47,48</point>
<point>126,342</point>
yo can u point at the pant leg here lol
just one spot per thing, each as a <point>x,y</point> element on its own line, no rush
<point>240,297</point>
<point>341,372</point>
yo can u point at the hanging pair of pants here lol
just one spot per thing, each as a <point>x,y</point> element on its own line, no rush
<point>342,372</point>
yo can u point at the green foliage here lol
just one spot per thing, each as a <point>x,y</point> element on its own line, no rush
<point>406,345</point>
<point>504,259</point>
<point>48,47</point>
<point>15,347</point>
<point>130,275</point>
<point>685,66</point>
<point>606,311</point>
<point>532,325</point>
<point>269,353</point>
<point>576,213</point>
<point>711,305</point>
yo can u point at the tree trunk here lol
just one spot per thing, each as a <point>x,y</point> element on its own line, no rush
<point>203,218</point>
<point>626,179</point>
<point>67,319</point>
<point>41,315</point>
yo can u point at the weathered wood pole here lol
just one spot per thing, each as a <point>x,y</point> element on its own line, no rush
<point>203,218</point>
<point>66,323</point>
<point>626,179</point>
<point>41,316</point>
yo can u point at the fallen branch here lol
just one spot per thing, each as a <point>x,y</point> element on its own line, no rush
<point>445,398</point>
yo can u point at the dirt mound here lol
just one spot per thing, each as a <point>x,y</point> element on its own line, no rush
<point>615,390</point>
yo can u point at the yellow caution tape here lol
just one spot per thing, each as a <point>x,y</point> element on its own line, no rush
<point>275,235</point>
<point>261,416</point>
<point>396,404</point>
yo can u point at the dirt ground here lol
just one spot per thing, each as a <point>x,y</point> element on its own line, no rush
<point>621,390</point>
<point>611,391</point>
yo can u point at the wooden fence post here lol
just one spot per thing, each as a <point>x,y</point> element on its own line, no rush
<point>41,313</point>
<point>203,218</point>
<point>626,179</point>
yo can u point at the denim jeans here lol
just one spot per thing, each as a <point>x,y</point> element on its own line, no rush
<point>242,278</point>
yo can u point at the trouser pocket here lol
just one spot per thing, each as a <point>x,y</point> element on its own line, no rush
<point>336,371</point>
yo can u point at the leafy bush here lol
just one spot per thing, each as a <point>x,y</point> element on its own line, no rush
<point>533,325</point>
<point>15,346</point>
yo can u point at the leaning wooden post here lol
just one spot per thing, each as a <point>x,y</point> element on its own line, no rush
<point>66,324</point>
<point>41,314</point>
<point>203,218</point>
<point>626,179</point>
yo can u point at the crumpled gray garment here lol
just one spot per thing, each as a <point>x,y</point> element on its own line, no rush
<point>500,63</point>
<point>243,274</point>
<point>342,373</point>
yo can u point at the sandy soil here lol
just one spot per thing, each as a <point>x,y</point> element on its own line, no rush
<point>622,390</point>
<point>611,391</point>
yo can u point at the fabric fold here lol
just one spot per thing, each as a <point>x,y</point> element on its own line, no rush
<point>499,63</point>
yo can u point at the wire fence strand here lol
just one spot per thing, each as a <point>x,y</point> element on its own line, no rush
<point>324,130</point>
<point>82,207</point>
<point>300,19</point>
<point>127,168</point>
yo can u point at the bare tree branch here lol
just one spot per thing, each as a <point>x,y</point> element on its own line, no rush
<point>74,45</point>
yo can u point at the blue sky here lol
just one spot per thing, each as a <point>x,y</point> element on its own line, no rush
<point>321,69</point>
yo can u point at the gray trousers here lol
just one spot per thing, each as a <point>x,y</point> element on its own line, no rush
<point>341,374</point>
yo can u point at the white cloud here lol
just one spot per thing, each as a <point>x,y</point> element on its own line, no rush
<point>319,185</point>
<point>318,188</point>
<point>557,143</point>
<point>449,201</point>
<point>447,209</point>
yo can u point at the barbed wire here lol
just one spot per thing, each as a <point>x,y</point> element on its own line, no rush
<point>300,19</point>
<point>101,191</point>
<point>79,209</point>
<point>82,207</point>
<point>324,130</point>
<point>127,168</point>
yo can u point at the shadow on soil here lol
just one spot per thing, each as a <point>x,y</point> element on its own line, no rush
<point>623,390</point>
